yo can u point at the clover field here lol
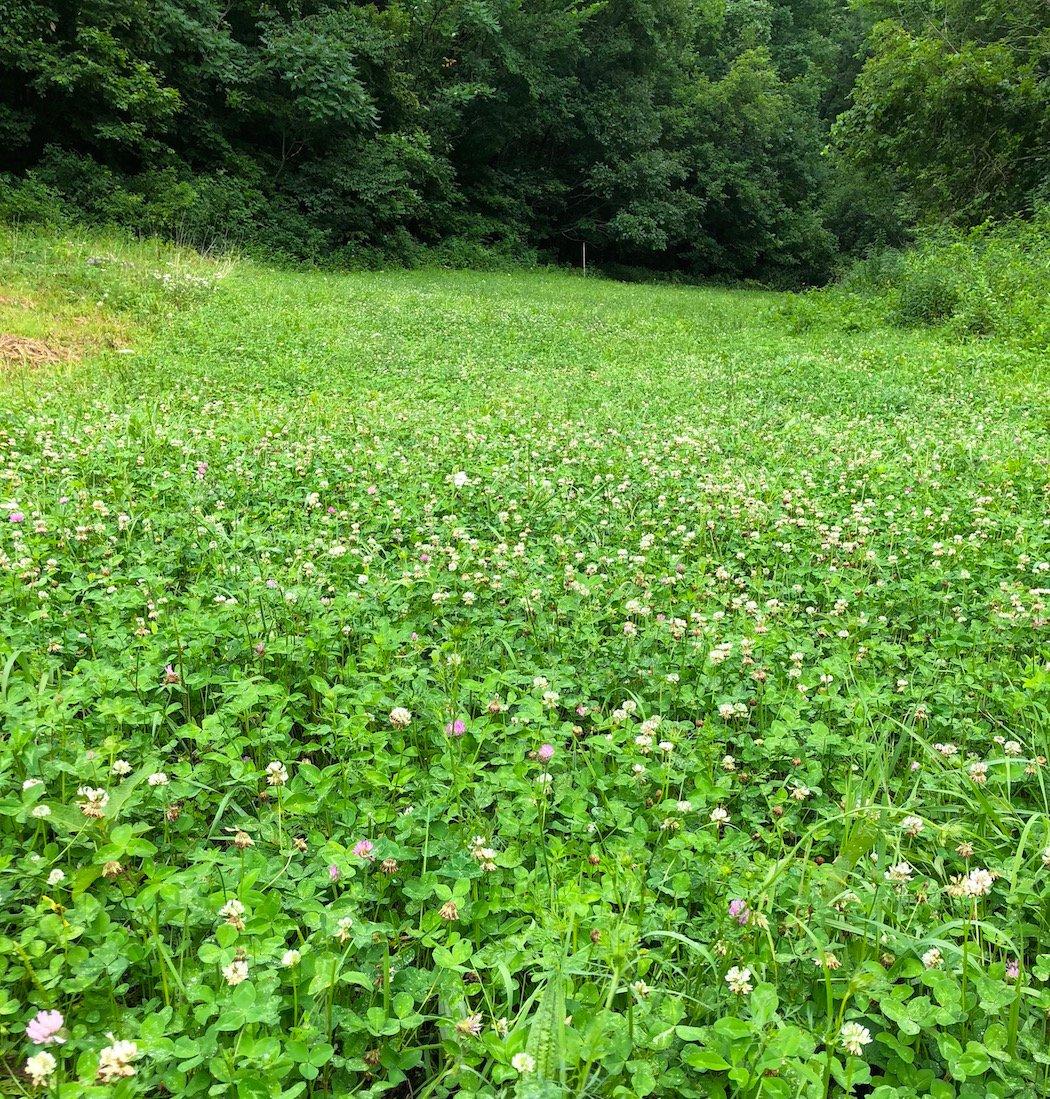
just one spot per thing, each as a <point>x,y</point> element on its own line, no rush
<point>435,683</point>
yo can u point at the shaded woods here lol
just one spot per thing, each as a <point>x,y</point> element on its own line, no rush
<point>735,138</point>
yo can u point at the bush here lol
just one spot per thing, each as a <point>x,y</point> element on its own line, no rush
<point>927,295</point>
<point>29,201</point>
<point>988,281</point>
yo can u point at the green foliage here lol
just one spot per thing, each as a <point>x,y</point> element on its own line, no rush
<point>951,112</point>
<point>449,684</point>
<point>987,281</point>
<point>678,135</point>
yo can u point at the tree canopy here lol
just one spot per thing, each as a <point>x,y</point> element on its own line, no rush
<point>742,138</point>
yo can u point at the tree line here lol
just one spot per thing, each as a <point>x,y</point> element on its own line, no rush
<point>733,138</point>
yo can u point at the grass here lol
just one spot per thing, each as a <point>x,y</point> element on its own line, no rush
<point>449,683</point>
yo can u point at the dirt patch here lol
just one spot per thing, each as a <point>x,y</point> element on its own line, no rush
<point>27,352</point>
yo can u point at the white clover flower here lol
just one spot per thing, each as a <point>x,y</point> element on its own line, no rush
<point>932,959</point>
<point>121,767</point>
<point>400,717</point>
<point>912,825</point>
<point>158,778</point>
<point>854,1038</point>
<point>41,811</point>
<point>900,874</point>
<point>523,1063</point>
<point>232,908</point>
<point>719,816</point>
<point>114,1062</point>
<point>978,883</point>
<point>291,958</point>
<point>94,803</point>
<point>460,479</point>
<point>236,972</point>
<point>739,980</point>
<point>276,773</point>
<point>56,877</point>
<point>40,1068</point>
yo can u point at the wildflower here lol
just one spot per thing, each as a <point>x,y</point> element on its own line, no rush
<point>449,911</point>
<point>460,479</point>
<point>41,811</point>
<point>728,763</point>
<point>456,728</point>
<point>171,677</point>
<point>241,839</point>
<point>363,850</point>
<point>828,961</point>
<point>965,850</point>
<point>932,959</point>
<point>291,958</point>
<point>544,778</point>
<point>684,806</point>
<point>233,913</point>
<point>158,778</point>
<point>640,989</point>
<point>43,1029</point>
<point>900,874</point>
<point>94,803</point>
<point>912,825</point>
<point>40,1068</point>
<point>978,883</point>
<point>16,517</point>
<point>112,869</point>
<point>1012,748</point>
<point>1013,970</point>
<point>470,1026</point>
<point>1046,857</point>
<point>342,929</point>
<point>236,972</point>
<point>739,911</point>
<point>388,866</point>
<point>114,1062</point>
<point>121,767</point>
<point>56,877</point>
<point>739,981</point>
<point>276,773</point>
<point>545,752</point>
<point>523,1063</point>
<point>854,1038</point>
<point>719,816</point>
<point>400,717</point>
<point>979,773</point>
<point>800,793</point>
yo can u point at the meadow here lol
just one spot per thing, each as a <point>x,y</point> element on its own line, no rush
<point>433,683</point>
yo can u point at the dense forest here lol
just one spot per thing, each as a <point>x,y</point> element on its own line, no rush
<point>736,138</point>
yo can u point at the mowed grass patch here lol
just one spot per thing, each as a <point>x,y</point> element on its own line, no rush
<point>484,684</point>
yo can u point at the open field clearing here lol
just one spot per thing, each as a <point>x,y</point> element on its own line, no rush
<point>431,683</point>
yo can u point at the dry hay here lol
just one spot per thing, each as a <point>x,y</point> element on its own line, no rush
<point>21,350</point>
